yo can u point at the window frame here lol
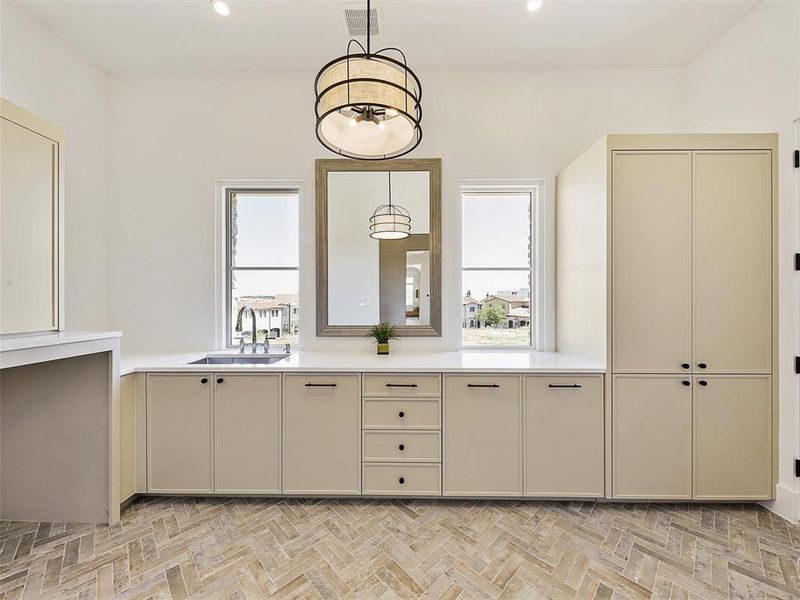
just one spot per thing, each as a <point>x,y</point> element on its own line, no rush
<point>223,262</point>
<point>539,268</point>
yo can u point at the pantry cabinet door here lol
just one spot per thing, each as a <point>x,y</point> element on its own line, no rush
<point>652,437</point>
<point>651,262</point>
<point>732,236</point>
<point>482,435</point>
<point>179,429</point>
<point>732,438</point>
<point>247,434</point>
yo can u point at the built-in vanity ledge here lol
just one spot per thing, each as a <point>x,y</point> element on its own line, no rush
<point>465,361</point>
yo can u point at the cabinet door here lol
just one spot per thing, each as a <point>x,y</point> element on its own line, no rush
<point>733,261</point>
<point>322,431</point>
<point>732,438</point>
<point>564,436</point>
<point>28,230</point>
<point>179,429</point>
<point>652,437</point>
<point>651,254</point>
<point>247,434</point>
<point>482,436</point>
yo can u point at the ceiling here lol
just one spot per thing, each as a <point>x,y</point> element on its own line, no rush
<point>187,35</point>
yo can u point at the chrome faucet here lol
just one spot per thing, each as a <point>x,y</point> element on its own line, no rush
<point>266,343</point>
<point>287,348</point>
<point>239,328</point>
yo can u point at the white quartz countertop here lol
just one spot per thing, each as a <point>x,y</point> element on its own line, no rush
<point>477,361</point>
<point>42,340</point>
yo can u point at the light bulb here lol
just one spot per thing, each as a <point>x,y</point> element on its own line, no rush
<point>352,122</point>
<point>381,126</point>
<point>221,7</point>
<point>534,5</point>
<point>391,112</point>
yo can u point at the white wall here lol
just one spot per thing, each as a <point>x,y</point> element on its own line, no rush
<point>43,75</point>
<point>749,81</point>
<point>172,136</point>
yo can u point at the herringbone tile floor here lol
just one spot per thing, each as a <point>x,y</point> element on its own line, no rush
<point>260,548</point>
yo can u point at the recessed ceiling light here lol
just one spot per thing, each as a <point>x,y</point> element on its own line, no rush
<point>534,5</point>
<point>221,7</point>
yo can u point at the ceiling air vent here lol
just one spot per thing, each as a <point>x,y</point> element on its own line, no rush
<point>356,21</point>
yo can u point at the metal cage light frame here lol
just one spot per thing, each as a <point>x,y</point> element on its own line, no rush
<point>390,221</point>
<point>368,104</point>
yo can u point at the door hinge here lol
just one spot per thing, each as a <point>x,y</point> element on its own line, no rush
<point>797,261</point>
<point>797,364</point>
<point>797,159</point>
<point>797,467</point>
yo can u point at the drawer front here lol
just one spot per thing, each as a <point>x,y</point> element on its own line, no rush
<point>402,384</point>
<point>401,446</point>
<point>402,479</point>
<point>400,413</point>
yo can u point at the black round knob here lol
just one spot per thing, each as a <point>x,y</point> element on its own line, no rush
<point>703,382</point>
<point>401,447</point>
<point>401,414</point>
<point>685,365</point>
<point>220,380</point>
<point>204,380</point>
<point>702,365</point>
<point>686,382</point>
<point>402,480</point>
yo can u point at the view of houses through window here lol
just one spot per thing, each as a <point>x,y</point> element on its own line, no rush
<point>496,268</point>
<point>263,265</point>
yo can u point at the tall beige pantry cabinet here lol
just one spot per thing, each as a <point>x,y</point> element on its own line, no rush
<point>688,279</point>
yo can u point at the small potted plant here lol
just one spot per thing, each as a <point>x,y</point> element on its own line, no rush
<point>383,332</point>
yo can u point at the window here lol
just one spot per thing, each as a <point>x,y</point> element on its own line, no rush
<point>497,265</point>
<point>262,231</point>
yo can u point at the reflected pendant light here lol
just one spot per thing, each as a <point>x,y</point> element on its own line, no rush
<point>368,103</point>
<point>390,221</point>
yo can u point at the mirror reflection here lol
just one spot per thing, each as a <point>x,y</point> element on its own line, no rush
<point>379,264</point>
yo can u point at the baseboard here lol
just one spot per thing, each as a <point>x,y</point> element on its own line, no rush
<point>786,504</point>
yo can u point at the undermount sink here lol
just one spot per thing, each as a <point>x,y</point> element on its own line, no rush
<point>243,359</point>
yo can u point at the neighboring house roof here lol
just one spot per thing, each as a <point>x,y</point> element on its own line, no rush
<point>470,300</point>
<point>507,298</point>
<point>520,312</point>
<point>267,303</point>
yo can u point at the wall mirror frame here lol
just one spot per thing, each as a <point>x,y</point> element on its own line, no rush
<point>325,167</point>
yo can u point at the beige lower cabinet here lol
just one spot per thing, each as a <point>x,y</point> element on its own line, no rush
<point>247,434</point>
<point>564,436</point>
<point>732,437</point>
<point>321,434</point>
<point>482,435</point>
<point>179,433</point>
<point>652,437</point>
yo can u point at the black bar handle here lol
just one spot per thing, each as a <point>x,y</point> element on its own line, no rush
<point>411,385</point>
<point>686,382</point>
<point>483,385</point>
<point>685,365</point>
<point>564,385</point>
<point>703,382</point>
<point>320,385</point>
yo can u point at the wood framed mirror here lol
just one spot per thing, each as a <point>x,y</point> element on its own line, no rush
<point>361,280</point>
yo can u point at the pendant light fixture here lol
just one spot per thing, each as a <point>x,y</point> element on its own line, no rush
<point>368,103</point>
<point>390,221</point>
